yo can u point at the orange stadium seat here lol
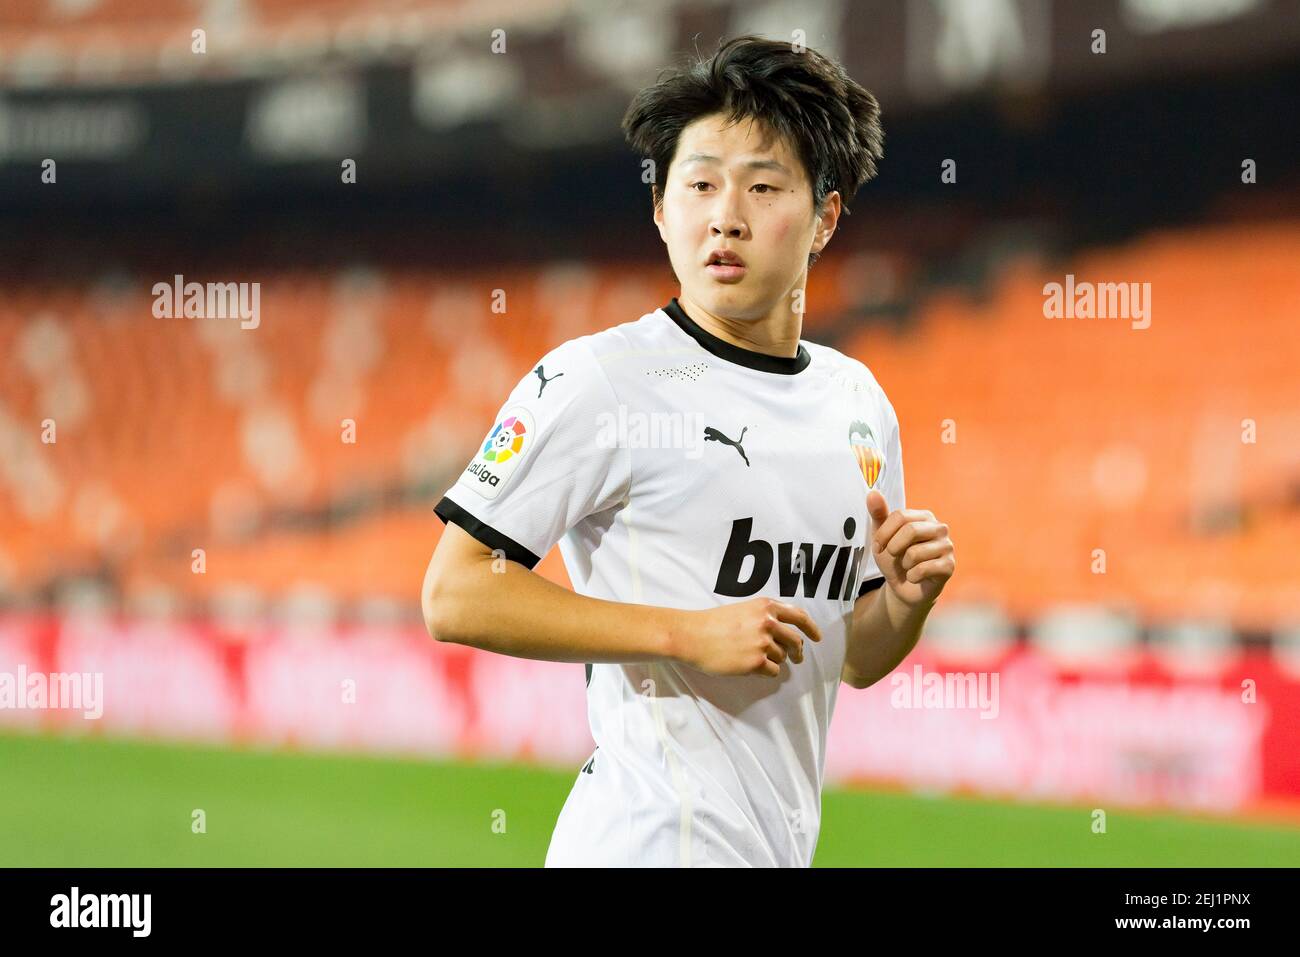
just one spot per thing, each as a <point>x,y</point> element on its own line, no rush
<point>1070,435</point>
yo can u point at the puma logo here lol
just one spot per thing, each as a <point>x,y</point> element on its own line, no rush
<point>542,375</point>
<point>590,766</point>
<point>713,435</point>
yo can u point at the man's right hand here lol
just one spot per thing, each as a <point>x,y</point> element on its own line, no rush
<point>748,637</point>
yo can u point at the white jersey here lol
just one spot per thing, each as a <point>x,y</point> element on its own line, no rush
<point>678,470</point>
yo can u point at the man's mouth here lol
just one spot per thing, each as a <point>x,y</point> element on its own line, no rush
<point>725,257</point>
<point>725,265</point>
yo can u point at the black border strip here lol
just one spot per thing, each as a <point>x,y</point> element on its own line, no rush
<point>871,585</point>
<point>782,365</point>
<point>1091,901</point>
<point>449,511</point>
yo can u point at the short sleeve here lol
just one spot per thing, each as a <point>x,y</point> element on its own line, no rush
<point>890,485</point>
<point>543,465</point>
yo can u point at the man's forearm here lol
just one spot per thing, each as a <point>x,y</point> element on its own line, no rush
<point>514,611</point>
<point>884,632</point>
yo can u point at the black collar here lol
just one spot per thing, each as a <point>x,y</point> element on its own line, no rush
<point>782,365</point>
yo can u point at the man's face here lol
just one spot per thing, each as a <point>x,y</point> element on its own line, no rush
<point>728,188</point>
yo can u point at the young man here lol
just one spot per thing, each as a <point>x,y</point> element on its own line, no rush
<point>727,583</point>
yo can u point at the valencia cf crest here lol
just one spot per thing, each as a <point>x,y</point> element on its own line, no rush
<point>870,461</point>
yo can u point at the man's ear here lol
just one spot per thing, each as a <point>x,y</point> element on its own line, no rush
<point>826,222</point>
<point>658,212</point>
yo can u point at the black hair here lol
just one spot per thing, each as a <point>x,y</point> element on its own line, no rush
<point>801,95</point>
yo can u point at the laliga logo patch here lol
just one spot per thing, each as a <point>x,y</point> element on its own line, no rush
<point>502,450</point>
<point>863,443</point>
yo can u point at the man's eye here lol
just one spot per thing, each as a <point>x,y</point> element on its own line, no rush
<point>763,187</point>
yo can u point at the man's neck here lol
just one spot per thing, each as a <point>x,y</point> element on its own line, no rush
<point>776,334</point>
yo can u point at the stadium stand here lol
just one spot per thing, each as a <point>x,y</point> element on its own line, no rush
<point>178,434</point>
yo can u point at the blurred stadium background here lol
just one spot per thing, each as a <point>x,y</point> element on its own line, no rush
<point>230,525</point>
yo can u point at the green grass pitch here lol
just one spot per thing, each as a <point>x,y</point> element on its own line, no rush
<point>102,803</point>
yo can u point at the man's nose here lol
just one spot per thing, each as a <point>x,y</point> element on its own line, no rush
<point>728,222</point>
<point>730,227</point>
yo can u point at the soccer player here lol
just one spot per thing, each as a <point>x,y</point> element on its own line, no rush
<point>727,498</point>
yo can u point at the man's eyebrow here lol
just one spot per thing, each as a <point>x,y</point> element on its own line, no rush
<point>751,164</point>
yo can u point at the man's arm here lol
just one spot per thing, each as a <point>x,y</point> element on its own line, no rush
<point>883,632</point>
<point>471,597</point>
<point>916,557</point>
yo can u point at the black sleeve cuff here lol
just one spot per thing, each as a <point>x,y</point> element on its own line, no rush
<point>871,585</point>
<point>449,511</point>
